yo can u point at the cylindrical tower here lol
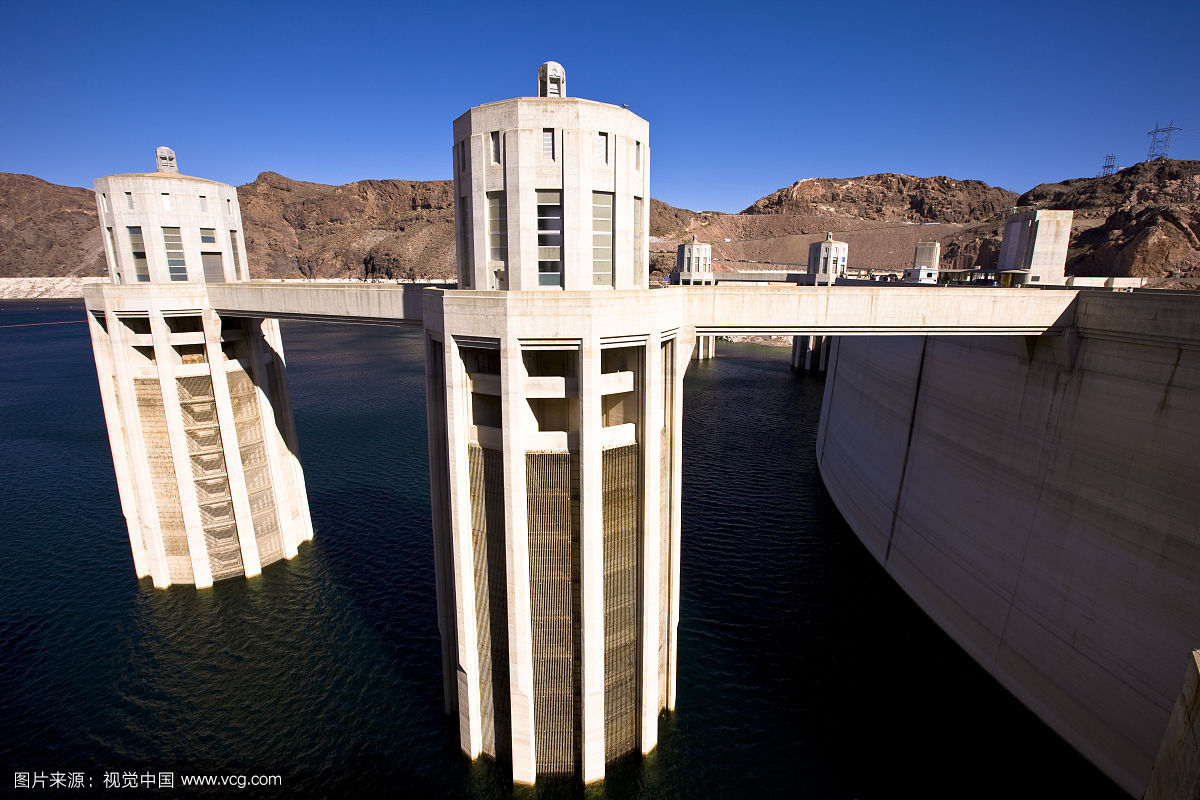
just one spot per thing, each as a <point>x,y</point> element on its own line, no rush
<point>554,418</point>
<point>196,404</point>
<point>551,193</point>
<point>163,227</point>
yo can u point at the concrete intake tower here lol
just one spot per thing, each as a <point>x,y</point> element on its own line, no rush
<point>196,406</point>
<point>555,393</point>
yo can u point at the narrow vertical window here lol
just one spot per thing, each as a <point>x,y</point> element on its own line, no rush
<point>637,150</point>
<point>203,204</point>
<point>461,249</point>
<point>176,265</point>
<point>140,267</point>
<point>548,143</point>
<point>497,226</point>
<point>166,201</point>
<point>104,202</point>
<point>602,238</point>
<point>639,267</point>
<point>462,155</point>
<point>237,259</point>
<point>111,241</point>
<point>129,200</point>
<point>495,147</point>
<point>550,236</point>
<point>602,148</point>
<point>229,207</point>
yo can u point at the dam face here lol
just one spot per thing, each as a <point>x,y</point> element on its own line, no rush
<point>1036,497</point>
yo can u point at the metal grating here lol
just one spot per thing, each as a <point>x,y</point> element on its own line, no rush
<point>491,598</point>
<point>162,475</point>
<point>621,561</point>
<point>209,475</point>
<point>253,452</point>
<point>553,506</point>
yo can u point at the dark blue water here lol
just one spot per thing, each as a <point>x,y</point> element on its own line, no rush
<point>803,671</point>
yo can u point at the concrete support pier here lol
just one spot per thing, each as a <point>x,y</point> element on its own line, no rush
<point>811,353</point>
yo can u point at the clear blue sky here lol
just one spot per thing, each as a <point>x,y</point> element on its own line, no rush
<point>742,97</point>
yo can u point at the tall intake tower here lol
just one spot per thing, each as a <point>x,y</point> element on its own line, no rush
<point>203,444</point>
<point>555,389</point>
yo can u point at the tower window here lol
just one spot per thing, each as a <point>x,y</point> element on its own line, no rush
<point>637,238</point>
<point>602,148</point>
<point>237,259</point>
<point>495,147</point>
<point>129,200</point>
<point>166,201</point>
<point>602,238</point>
<point>104,202</point>
<point>208,236</point>
<point>229,206</point>
<point>176,265</point>
<point>497,226</point>
<point>112,252</point>
<point>637,151</point>
<point>203,204</point>
<point>548,143</point>
<point>140,267</point>
<point>461,249</point>
<point>550,237</point>
<point>462,155</point>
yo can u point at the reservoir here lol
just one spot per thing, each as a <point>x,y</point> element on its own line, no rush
<point>803,670</point>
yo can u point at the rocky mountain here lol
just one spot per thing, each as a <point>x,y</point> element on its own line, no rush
<point>47,229</point>
<point>1144,220</point>
<point>889,198</point>
<point>366,229</point>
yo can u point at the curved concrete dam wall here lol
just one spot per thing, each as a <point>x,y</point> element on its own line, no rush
<point>1037,497</point>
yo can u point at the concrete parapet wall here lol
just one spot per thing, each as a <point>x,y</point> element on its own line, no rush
<point>1036,496</point>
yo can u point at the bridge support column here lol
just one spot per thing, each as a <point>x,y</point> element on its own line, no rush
<point>203,445</point>
<point>706,347</point>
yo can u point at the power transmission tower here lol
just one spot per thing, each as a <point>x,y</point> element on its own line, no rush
<point>1160,141</point>
<point>1110,166</point>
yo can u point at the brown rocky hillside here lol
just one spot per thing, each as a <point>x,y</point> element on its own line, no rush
<point>1144,220</point>
<point>47,229</point>
<point>890,198</point>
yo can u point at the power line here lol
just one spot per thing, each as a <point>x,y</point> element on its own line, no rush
<point>1109,167</point>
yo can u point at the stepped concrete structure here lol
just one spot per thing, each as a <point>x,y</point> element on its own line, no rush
<point>1019,459</point>
<point>196,404</point>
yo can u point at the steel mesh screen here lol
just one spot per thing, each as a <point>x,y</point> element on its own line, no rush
<point>621,529</point>
<point>491,597</point>
<point>162,474</point>
<point>553,515</point>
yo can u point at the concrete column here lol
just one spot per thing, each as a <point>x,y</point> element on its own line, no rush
<point>164,359</point>
<point>281,489</point>
<point>826,341</point>
<point>650,426</point>
<point>105,347</point>
<point>810,356</point>
<point>591,557</point>
<point>676,493</point>
<point>289,449</point>
<point>248,545</point>
<point>516,556</point>
<point>470,736</point>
